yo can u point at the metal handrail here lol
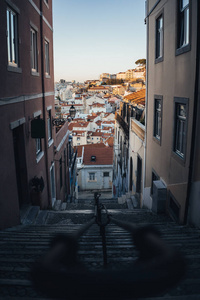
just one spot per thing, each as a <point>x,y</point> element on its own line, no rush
<point>159,266</point>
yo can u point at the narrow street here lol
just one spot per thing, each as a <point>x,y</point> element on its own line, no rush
<point>20,246</point>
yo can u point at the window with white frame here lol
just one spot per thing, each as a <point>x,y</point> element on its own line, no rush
<point>49,125</point>
<point>180,126</point>
<point>159,37</point>
<point>183,23</point>
<point>34,51</point>
<point>12,37</point>
<point>47,66</point>
<point>91,176</point>
<point>38,146</point>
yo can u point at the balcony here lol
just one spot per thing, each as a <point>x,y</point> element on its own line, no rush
<point>123,124</point>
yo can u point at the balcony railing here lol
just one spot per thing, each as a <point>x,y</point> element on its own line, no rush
<point>123,124</point>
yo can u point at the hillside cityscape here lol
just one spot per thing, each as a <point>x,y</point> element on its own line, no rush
<point>93,173</point>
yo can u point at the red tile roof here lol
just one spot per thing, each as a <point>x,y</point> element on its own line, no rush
<point>136,97</point>
<point>78,124</point>
<point>79,148</point>
<point>110,141</point>
<point>96,133</point>
<point>104,155</point>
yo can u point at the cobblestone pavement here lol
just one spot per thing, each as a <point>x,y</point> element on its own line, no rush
<point>22,245</point>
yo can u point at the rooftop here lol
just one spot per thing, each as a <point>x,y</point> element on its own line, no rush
<point>136,97</point>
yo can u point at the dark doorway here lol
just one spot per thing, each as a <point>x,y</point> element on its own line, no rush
<point>131,174</point>
<point>20,164</point>
<point>139,174</point>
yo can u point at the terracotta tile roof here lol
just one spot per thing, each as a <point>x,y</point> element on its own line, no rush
<point>110,141</point>
<point>136,97</point>
<point>96,133</point>
<point>109,122</point>
<point>104,155</point>
<point>98,122</point>
<point>89,117</point>
<point>79,148</point>
<point>97,105</point>
<point>78,124</point>
<point>106,128</point>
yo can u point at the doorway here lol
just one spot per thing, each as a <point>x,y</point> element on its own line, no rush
<point>20,164</point>
<point>139,175</point>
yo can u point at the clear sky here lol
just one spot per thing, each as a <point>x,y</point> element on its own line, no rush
<point>97,36</point>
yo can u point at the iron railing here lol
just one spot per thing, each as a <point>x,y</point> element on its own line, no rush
<point>60,274</point>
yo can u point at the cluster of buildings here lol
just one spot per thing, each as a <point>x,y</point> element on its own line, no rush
<point>130,75</point>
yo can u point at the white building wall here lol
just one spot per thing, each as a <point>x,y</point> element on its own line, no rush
<point>100,182</point>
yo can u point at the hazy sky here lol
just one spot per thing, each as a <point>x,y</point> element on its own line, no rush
<point>92,37</point>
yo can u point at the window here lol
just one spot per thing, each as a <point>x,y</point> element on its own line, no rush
<point>159,38</point>
<point>49,125</point>
<point>34,52</point>
<point>157,118</point>
<point>183,26</point>
<point>12,38</point>
<point>91,176</point>
<point>105,174</point>
<point>180,126</point>
<point>47,66</point>
<point>38,146</point>
<point>93,158</point>
<point>78,138</point>
<point>60,166</point>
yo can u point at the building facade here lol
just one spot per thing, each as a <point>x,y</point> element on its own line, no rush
<point>28,167</point>
<point>172,104</point>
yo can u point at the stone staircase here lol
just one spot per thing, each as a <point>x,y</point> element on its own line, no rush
<point>132,201</point>
<point>22,245</point>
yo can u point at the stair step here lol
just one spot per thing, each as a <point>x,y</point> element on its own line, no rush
<point>57,205</point>
<point>130,204</point>
<point>22,245</point>
<point>31,215</point>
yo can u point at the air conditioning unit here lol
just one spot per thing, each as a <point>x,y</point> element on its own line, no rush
<point>159,197</point>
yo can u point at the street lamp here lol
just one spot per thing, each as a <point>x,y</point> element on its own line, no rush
<point>72,111</point>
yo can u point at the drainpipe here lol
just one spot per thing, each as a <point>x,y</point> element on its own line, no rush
<point>44,102</point>
<point>195,114</point>
<point>146,102</point>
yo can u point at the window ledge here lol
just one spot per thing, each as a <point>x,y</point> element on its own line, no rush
<point>159,59</point>
<point>158,141</point>
<point>39,156</point>
<point>46,3</point>
<point>34,73</point>
<point>50,142</point>
<point>92,180</point>
<point>14,69</point>
<point>47,76</point>
<point>178,158</point>
<point>183,49</point>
